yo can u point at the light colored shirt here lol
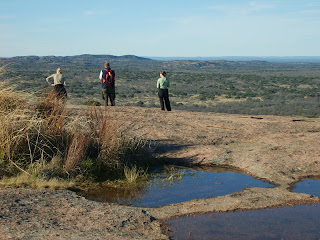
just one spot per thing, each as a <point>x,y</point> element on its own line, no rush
<point>57,79</point>
<point>163,83</point>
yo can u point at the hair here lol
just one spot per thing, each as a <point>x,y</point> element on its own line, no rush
<point>163,73</point>
<point>59,70</point>
<point>107,64</point>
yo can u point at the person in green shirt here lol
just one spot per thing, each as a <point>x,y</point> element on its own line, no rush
<point>162,85</point>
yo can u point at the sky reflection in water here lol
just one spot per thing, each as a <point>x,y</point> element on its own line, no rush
<point>294,223</point>
<point>309,186</point>
<point>178,186</point>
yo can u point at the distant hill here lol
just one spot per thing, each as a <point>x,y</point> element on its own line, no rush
<point>293,59</point>
<point>126,62</point>
<point>86,60</point>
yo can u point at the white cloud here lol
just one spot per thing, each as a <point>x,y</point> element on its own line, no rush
<point>180,20</point>
<point>218,8</point>
<point>242,9</point>
<point>254,6</point>
<point>89,13</point>
<point>314,11</point>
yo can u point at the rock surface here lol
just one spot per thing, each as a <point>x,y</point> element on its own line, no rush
<point>280,150</point>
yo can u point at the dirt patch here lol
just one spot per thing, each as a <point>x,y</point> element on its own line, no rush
<point>43,214</point>
<point>280,150</point>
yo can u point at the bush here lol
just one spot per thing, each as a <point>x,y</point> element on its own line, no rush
<point>140,103</point>
<point>10,101</point>
<point>43,143</point>
<point>92,103</point>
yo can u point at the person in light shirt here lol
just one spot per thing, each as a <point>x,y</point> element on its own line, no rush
<point>58,84</point>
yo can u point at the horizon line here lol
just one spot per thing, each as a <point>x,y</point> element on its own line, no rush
<point>236,56</point>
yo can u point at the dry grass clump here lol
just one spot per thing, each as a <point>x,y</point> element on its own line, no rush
<point>24,180</point>
<point>25,136</point>
<point>133,173</point>
<point>44,143</point>
<point>114,148</point>
<point>10,101</point>
<point>76,152</point>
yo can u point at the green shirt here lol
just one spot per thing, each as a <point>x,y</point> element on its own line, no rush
<point>163,83</point>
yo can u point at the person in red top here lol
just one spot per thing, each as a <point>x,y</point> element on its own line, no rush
<point>107,77</point>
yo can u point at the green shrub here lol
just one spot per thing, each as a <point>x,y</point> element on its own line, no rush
<point>92,103</point>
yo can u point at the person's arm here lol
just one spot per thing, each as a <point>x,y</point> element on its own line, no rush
<point>158,83</point>
<point>113,76</point>
<point>48,78</point>
<point>100,76</point>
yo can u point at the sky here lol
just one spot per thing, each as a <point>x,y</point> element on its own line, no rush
<point>160,28</point>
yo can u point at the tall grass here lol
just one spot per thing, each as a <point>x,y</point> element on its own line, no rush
<point>115,148</point>
<point>76,152</point>
<point>133,173</point>
<point>45,142</point>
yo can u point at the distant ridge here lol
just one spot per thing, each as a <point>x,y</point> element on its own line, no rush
<point>104,57</point>
<point>132,62</point>
<point>283,59</point>
<point>84,60</point>
<point>83,56</point>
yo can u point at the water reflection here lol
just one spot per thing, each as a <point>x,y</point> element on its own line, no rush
<point>178,185</point>
<point>309,186</point>
<point>299,222</point>
<point>115,195</point>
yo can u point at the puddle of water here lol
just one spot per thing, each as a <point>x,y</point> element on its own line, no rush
<point>180,186</point>
<point>294,223</point>
<point>309,186</point>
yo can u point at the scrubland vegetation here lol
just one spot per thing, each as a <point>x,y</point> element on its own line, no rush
<point>40,140</point>
<point>252,87</point>
<point>42,146</point>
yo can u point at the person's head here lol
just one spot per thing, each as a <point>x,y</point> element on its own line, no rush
<point>107,65</point>
<point>163,73</point>
<point>59,70</point>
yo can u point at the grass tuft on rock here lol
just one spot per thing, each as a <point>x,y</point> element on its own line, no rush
<point>43,146</point>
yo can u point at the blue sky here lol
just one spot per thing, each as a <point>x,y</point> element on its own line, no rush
<point>167,28</point>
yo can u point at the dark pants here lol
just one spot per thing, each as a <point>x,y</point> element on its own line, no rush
<point>109,93</point>
<point>164,99</point>
<point>60,91</point>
